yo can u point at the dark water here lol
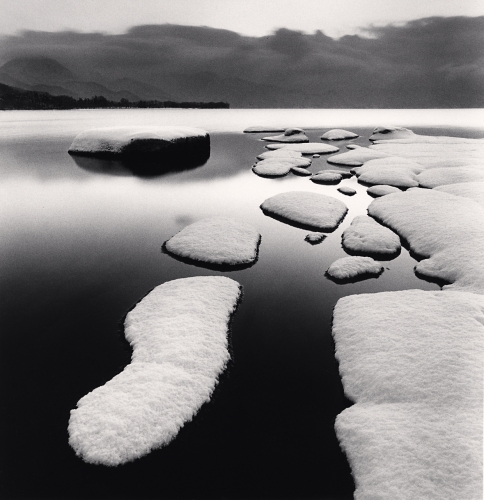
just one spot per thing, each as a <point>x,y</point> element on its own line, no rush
<point>81,244</point>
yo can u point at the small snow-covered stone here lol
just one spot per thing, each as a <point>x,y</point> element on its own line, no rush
<point>382,190</point>
<point>352,267</point>
<point>179,337</point>
<point>272,168</point>
<point>347,190</point>
<point>124,141</point>
<point>338,134</point>
<point>326,178</point>
<point>315,238</point>
<point>289,135</point>
<point>259,129</point>
<point>278,153</point>
<point>300,171</point>
<point>308,209</point>
<point>296,162</point>
<point>316,156</point>
<point>344,173</point>
<point>366,236</point>
<point>216,240</point>
<point>309,148</point>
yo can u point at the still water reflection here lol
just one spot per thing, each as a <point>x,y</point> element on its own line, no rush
<point>81,243</point>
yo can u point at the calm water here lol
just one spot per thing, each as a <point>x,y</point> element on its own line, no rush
<point>81,244</point>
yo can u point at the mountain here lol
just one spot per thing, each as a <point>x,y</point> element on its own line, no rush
<point>43,74</point>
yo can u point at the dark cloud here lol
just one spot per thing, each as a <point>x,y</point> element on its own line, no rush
<point>433,62</point>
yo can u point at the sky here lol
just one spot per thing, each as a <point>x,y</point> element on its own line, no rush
<point>248,17</point>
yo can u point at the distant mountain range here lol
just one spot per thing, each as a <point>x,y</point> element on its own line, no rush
<point>43,74</point>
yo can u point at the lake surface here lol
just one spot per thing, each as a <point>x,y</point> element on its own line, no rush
<point>81,244</point>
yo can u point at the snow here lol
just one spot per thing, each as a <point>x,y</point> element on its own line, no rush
<point>472,190</point>
<point>450,175</point>
<point>382,190</point>
<point>326,177</point>
<point>272,168</point>
<point>403,135</point>
<point>393,171</point>
<point>316,156</point>
<point>296,162</point>
<point>352,267</point>
<point>286,153</point>
<point>179,337</point>
<point>315,238</point>
<point>289,135</point>
<point>313,210</point>
<point>338,134</point>
<point>344,173</point>
<point>216,240</point>
<point>432,155</point>
<point>309,148</point>
<point>300,171</point>
<point>138,140</point>
<point>347,191</point>
<point>445,229</point>
<point>356,157</point>
<point>366,236</point>
<point>412,362</point>
<point>259,129</point>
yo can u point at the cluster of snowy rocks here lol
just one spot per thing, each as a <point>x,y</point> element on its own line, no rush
<point>411,361</point>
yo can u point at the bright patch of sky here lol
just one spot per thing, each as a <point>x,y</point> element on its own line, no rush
<point>248,17</point>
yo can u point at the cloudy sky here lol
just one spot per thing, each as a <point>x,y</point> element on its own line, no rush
<point>251,53</point>
<point>248,17</point>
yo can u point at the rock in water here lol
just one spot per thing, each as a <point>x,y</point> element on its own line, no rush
<point>164,143</point>
<point>216,241</point>
<point>179,337</point>
<point>306,209</point>
<point>351,267</point>
<point>338,134</point>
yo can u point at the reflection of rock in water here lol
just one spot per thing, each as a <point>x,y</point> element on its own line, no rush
<point>145,151</point>
<point>141,165</point>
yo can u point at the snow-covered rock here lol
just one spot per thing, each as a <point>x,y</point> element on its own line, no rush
<point>445,229</point>
<point>366,236</point>
<point>260,128</point>
<point>353,267</point>
<point>472,190</point>
<point>356,157</point>
<point>308,209</point>
<point>434,177</point>
<point>289,135</point>
<point>315,238</point>
<point>272,168</point>
<point>403,135</point>
<point>134,141</point>
<point>309,148</point>
<point>296,162</point>
<point>217,241</point>
<point>300,171</point>
<point>412,362</point>
<point>348,191</point>
<point>393,171</point>
<point>326,177</point>
<point>278,153</point>
<point>179,337</point>
<point>382,190</point>
<point>338,134</point>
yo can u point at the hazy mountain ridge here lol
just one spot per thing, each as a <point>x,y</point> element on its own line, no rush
<point>433,62</point>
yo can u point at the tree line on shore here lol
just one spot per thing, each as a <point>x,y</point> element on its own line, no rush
<point>13,98</point>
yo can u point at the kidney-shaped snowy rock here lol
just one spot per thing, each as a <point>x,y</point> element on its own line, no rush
<point>307,209</point>
<point>179,337</point>
<point>123,141</point>
<point>352,267</point>
<point>216,241</point>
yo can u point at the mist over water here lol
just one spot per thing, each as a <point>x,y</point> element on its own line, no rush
<point>81,244</point>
